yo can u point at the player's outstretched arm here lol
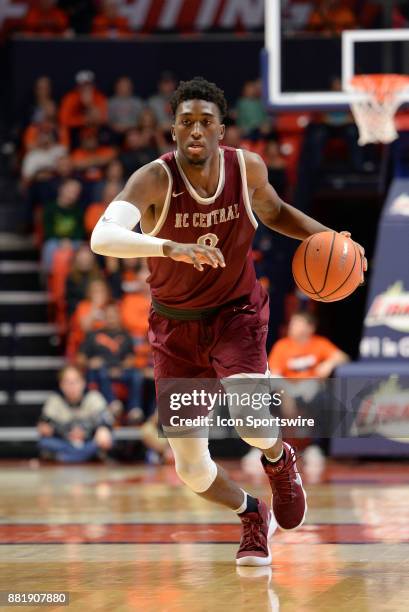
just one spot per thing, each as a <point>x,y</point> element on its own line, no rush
<point>271,209</point>
<point>277,214</point>
<point>144,193</point>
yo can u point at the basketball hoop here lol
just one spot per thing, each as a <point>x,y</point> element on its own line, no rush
<point>374,107</point>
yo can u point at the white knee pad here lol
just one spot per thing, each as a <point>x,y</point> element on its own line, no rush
<point>193,463</point>
<point>246,382</point>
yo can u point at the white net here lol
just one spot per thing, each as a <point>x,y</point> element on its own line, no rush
<point>374,108</point>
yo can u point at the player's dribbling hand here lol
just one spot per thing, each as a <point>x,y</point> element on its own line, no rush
<point>362,252</point>
<point>194,254</point>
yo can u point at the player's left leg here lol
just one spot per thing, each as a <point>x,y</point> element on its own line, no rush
<point>201,474</point>
<point>278,458</point>
<point>240,352</point>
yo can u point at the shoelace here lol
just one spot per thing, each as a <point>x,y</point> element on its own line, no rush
<point>253,537</point>
<point>282,481</point>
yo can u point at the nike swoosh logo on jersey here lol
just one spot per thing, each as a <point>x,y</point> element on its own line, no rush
<point>176,195</point>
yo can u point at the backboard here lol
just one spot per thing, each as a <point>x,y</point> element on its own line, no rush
<point>293,66</point>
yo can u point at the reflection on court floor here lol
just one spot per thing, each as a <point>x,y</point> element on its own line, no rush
<point>132,538</point>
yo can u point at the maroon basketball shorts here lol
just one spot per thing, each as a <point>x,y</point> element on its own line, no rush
<point>230,341</point>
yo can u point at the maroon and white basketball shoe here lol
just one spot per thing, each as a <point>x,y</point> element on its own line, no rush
<point>289,503</point>
<point>257,529</point>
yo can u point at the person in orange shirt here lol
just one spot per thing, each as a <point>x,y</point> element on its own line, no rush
<point>109,23</point>
<point>304,354</point>
<point>90,157</point>
<point>95,209</point>
<point>45,18</point>
<point>89,315</point>
<point>84,105</point>
<point>332,16</point>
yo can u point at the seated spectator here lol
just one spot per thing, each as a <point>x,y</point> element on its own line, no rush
<point>84,105</point>
<point>96,209</point>
<point>89,315</point>
<point>45,18</point>
<point>333,124</point>
<point>233,137</point>
<point>75,424</point>
<point>138,150</point>
<point>80,14</point>
<point>124,108</point>
<point>32,131</point>
<point>134,274</point>
<point>114,175</point>
<point>109,22</point>
<point>109,356</point>
<point>331,17</point>
<point>84,269</point>
<point>42,96</point>
<point>251,114</point>
<point>41,160</point>
<point>90,158</point>
<point>276,167</point>
<point>63,221</point>
<point>160,102</point>
<point>304,354</point>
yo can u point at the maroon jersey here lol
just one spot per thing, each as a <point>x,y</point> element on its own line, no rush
<point>224,220</point>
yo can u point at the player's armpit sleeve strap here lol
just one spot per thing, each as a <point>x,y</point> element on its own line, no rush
<point>113,235</point>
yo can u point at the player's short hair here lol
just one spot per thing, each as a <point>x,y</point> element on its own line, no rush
<point>199,89</point>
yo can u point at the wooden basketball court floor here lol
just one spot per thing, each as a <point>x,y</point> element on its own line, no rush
<point>122,538</point>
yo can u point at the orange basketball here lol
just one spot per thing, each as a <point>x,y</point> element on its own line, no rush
<point>327,267</point>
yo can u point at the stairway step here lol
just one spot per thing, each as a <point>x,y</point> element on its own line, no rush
<point>28,306</point>
<point>23,281</point>
<point>29,372</point>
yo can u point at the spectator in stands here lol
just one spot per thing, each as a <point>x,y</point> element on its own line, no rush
<point>63,221</point>
<point>160,102</point>
<point>42,159</point>
<point>137,150</point>
<point>250,111</point>
<point>276,167</point>
<point>49,120</point>
<point>95,210</point>
<point>84,105</point>
<point>304,354</point>
<point>109,356</point>
<point>114,173</point>
<point>89,315</point>
<point>233,137</point>
<point>90,157</point>
<point>333,124</point>
<point>42,96</point>
<point>126,275</point>
<point>124,108</point>
<point>331,17</point>
<point>45,18</point>
<point>84,269</point>
<point>109,23</point>
<point>80,14</point>
<point>75,424</point>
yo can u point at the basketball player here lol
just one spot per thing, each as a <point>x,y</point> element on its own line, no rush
<point>209,314</point>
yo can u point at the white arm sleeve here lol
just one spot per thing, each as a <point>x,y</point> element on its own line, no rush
<point>113,235</point>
